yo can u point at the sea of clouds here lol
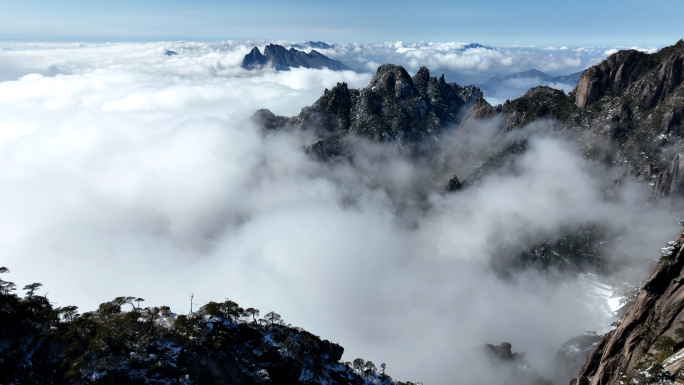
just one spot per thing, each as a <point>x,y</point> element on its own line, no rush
<point>476,64</point>
<point>124,171</point>
<point>459,62</point>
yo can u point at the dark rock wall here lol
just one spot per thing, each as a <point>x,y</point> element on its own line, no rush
<point>393,107</point>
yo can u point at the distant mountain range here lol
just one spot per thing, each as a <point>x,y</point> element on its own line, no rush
<point>313,44</point>
<point>324,45</point>
<point>283,59</point>
<point>493,82</point>
<point>535,73</point>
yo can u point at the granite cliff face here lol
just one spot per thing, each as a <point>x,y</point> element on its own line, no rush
<point>393,107</point>
<point>647,344</point>
<point>611,75</point>
<point>283,59</point>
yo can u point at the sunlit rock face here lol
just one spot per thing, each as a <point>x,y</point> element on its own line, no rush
<point>650,331</point>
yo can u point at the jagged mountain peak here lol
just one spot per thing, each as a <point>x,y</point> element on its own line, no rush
<point>389,71</point>
<point>393,107</point>
<point>282,59</point>
<point>422,76</point>
<point>392,79</point>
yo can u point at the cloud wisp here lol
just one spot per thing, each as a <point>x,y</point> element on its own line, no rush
<point>144,177</point>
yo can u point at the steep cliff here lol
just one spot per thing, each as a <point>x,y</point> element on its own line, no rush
<point>647,341</point>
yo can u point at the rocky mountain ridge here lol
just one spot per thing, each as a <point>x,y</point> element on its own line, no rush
<point>632,101</point>
<point>283,59</point>
<point>625,112</point>
<point>394,107</point>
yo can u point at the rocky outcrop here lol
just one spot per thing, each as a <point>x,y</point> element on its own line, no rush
<point>650,331</point>
<point>502,352</point>
<point>661,81</point>
<point>393,107</point>
<point>515,368</point>
<point>283,59</point>
<point>538,102</point>
<point>612,74</point>
<point>453,184</point>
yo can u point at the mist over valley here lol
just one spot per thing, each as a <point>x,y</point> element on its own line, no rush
<point>410,212</point>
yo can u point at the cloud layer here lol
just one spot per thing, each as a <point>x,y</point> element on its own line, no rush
<point>128,172</point>
<point>460,62</point>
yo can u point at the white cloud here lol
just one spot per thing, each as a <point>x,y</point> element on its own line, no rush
<point>468,61</point>
<point>460,62</point>
<point>11,129</point>
<point>128,172</point>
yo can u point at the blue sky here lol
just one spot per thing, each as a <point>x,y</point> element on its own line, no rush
<point>497,22</point>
